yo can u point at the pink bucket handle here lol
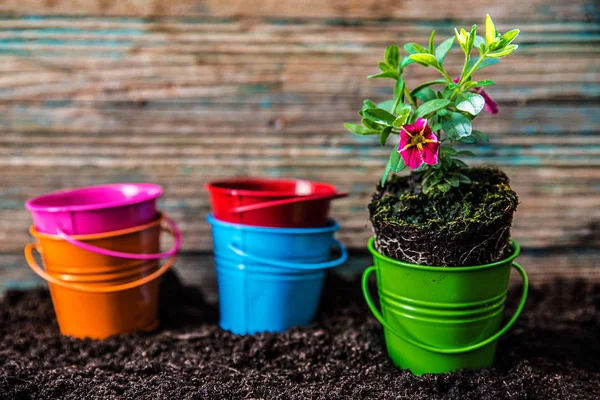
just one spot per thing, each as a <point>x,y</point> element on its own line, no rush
<point>291,200</point>
<point>171,228</point>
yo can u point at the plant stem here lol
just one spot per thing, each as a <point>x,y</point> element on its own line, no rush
<point>410,98</point>
<point>393,110</point>
<point>479,61</point>
<point>443,72</point>
<point>462,74</point>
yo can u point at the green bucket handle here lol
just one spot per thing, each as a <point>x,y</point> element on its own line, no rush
<point>379,317</point>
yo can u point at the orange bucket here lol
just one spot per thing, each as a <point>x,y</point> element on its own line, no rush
<point>96,295</point>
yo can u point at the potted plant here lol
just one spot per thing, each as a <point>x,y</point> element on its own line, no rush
<point>442,249</point>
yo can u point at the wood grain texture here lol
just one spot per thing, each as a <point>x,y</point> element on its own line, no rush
<point>335,9</point>
<point>204,90</point>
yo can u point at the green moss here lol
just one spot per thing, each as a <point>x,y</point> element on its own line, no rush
<point>487,199</point>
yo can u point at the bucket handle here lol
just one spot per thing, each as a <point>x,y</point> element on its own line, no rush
<point>382,321</point>
<point>84,288</point>
<point>172,228</point>
<point>276,263</point>
<point>291,200</point>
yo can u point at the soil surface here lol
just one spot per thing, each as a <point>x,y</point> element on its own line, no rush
<point>553,352</point>
<point>468,225</point>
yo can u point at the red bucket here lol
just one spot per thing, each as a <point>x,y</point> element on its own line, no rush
<point>279,203</point>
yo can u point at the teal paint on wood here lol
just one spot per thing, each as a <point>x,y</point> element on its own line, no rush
<point>180,100</point>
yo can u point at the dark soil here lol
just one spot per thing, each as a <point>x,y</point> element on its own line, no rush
<point>552,353</point>
<point>469,225</point>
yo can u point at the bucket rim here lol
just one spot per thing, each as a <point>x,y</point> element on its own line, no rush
<point>104,235</point>
<point>214,187</point>
<point>332,226</point>
<point>152,191</point>
<point>516,249</point>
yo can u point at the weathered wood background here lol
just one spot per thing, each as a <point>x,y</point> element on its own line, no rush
<point>184,91</point>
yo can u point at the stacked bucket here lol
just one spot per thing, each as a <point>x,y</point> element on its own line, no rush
<point>100,248</point>
<point>272,243</point>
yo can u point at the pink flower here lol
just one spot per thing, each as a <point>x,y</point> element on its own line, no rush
<point>418,144</point>
<point>490,105</point>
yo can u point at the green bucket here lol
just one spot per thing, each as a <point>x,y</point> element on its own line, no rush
<point>442,319</point>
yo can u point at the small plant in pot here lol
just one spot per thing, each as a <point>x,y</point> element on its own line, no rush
<point>441,248</point>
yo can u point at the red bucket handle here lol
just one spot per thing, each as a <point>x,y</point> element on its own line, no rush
<point>87,288</point>
<point>291,200</point>
<point>171,228</point>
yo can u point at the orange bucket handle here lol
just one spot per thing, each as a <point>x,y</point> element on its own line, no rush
<point>83,288</point>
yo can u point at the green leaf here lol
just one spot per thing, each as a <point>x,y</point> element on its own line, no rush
<point>462,178</point>
<point>413,48</point>
<point>472,36</point>
<point>380,115</point>
<point>435,179</point>
<point>461,38</point>
<point>484,83</point>
<point>385,67</point>
<point>385,133</point>
<point>403,111</point>
<point>507,50</point>
<point>448,151</point>
<point>442,113</point>
<point>425,94</point>
<point>444,187</point>
<point>374,126</point>
<point>490,30</point>
<point>397,161</point>
<point>359,129</point>
<point>468,139</point>
<point>509,36</point>
<point>480,135</point>
<point>399,88</point>
<point>478,41</point>
<point>456,125</point>
<point>431,42</point>
<point>447,93</point>
<point>443,48</point>
<point>424,59</point>
<point>452,180</point>
<point>431,106</point>
<point>436,127</point>
<point>392,56</point>
<point>485,63</point>
<point>387,74</point>
<point>459,162</point>
<point>471,103</point>
<point>386,172</point>
<point>386,105</point>
<point>466,153</point>
<point>406,61</point>
<point>427,84</point>
<point>368,104</point>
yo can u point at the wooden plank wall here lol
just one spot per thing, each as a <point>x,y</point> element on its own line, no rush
<point>183,91</point>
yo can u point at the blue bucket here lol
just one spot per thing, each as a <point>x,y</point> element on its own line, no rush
<point>270,279</point>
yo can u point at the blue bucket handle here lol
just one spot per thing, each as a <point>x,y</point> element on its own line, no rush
<point>493,338</point>
<point>278,263</point>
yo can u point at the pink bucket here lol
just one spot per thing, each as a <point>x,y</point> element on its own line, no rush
<point>95,209</point>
